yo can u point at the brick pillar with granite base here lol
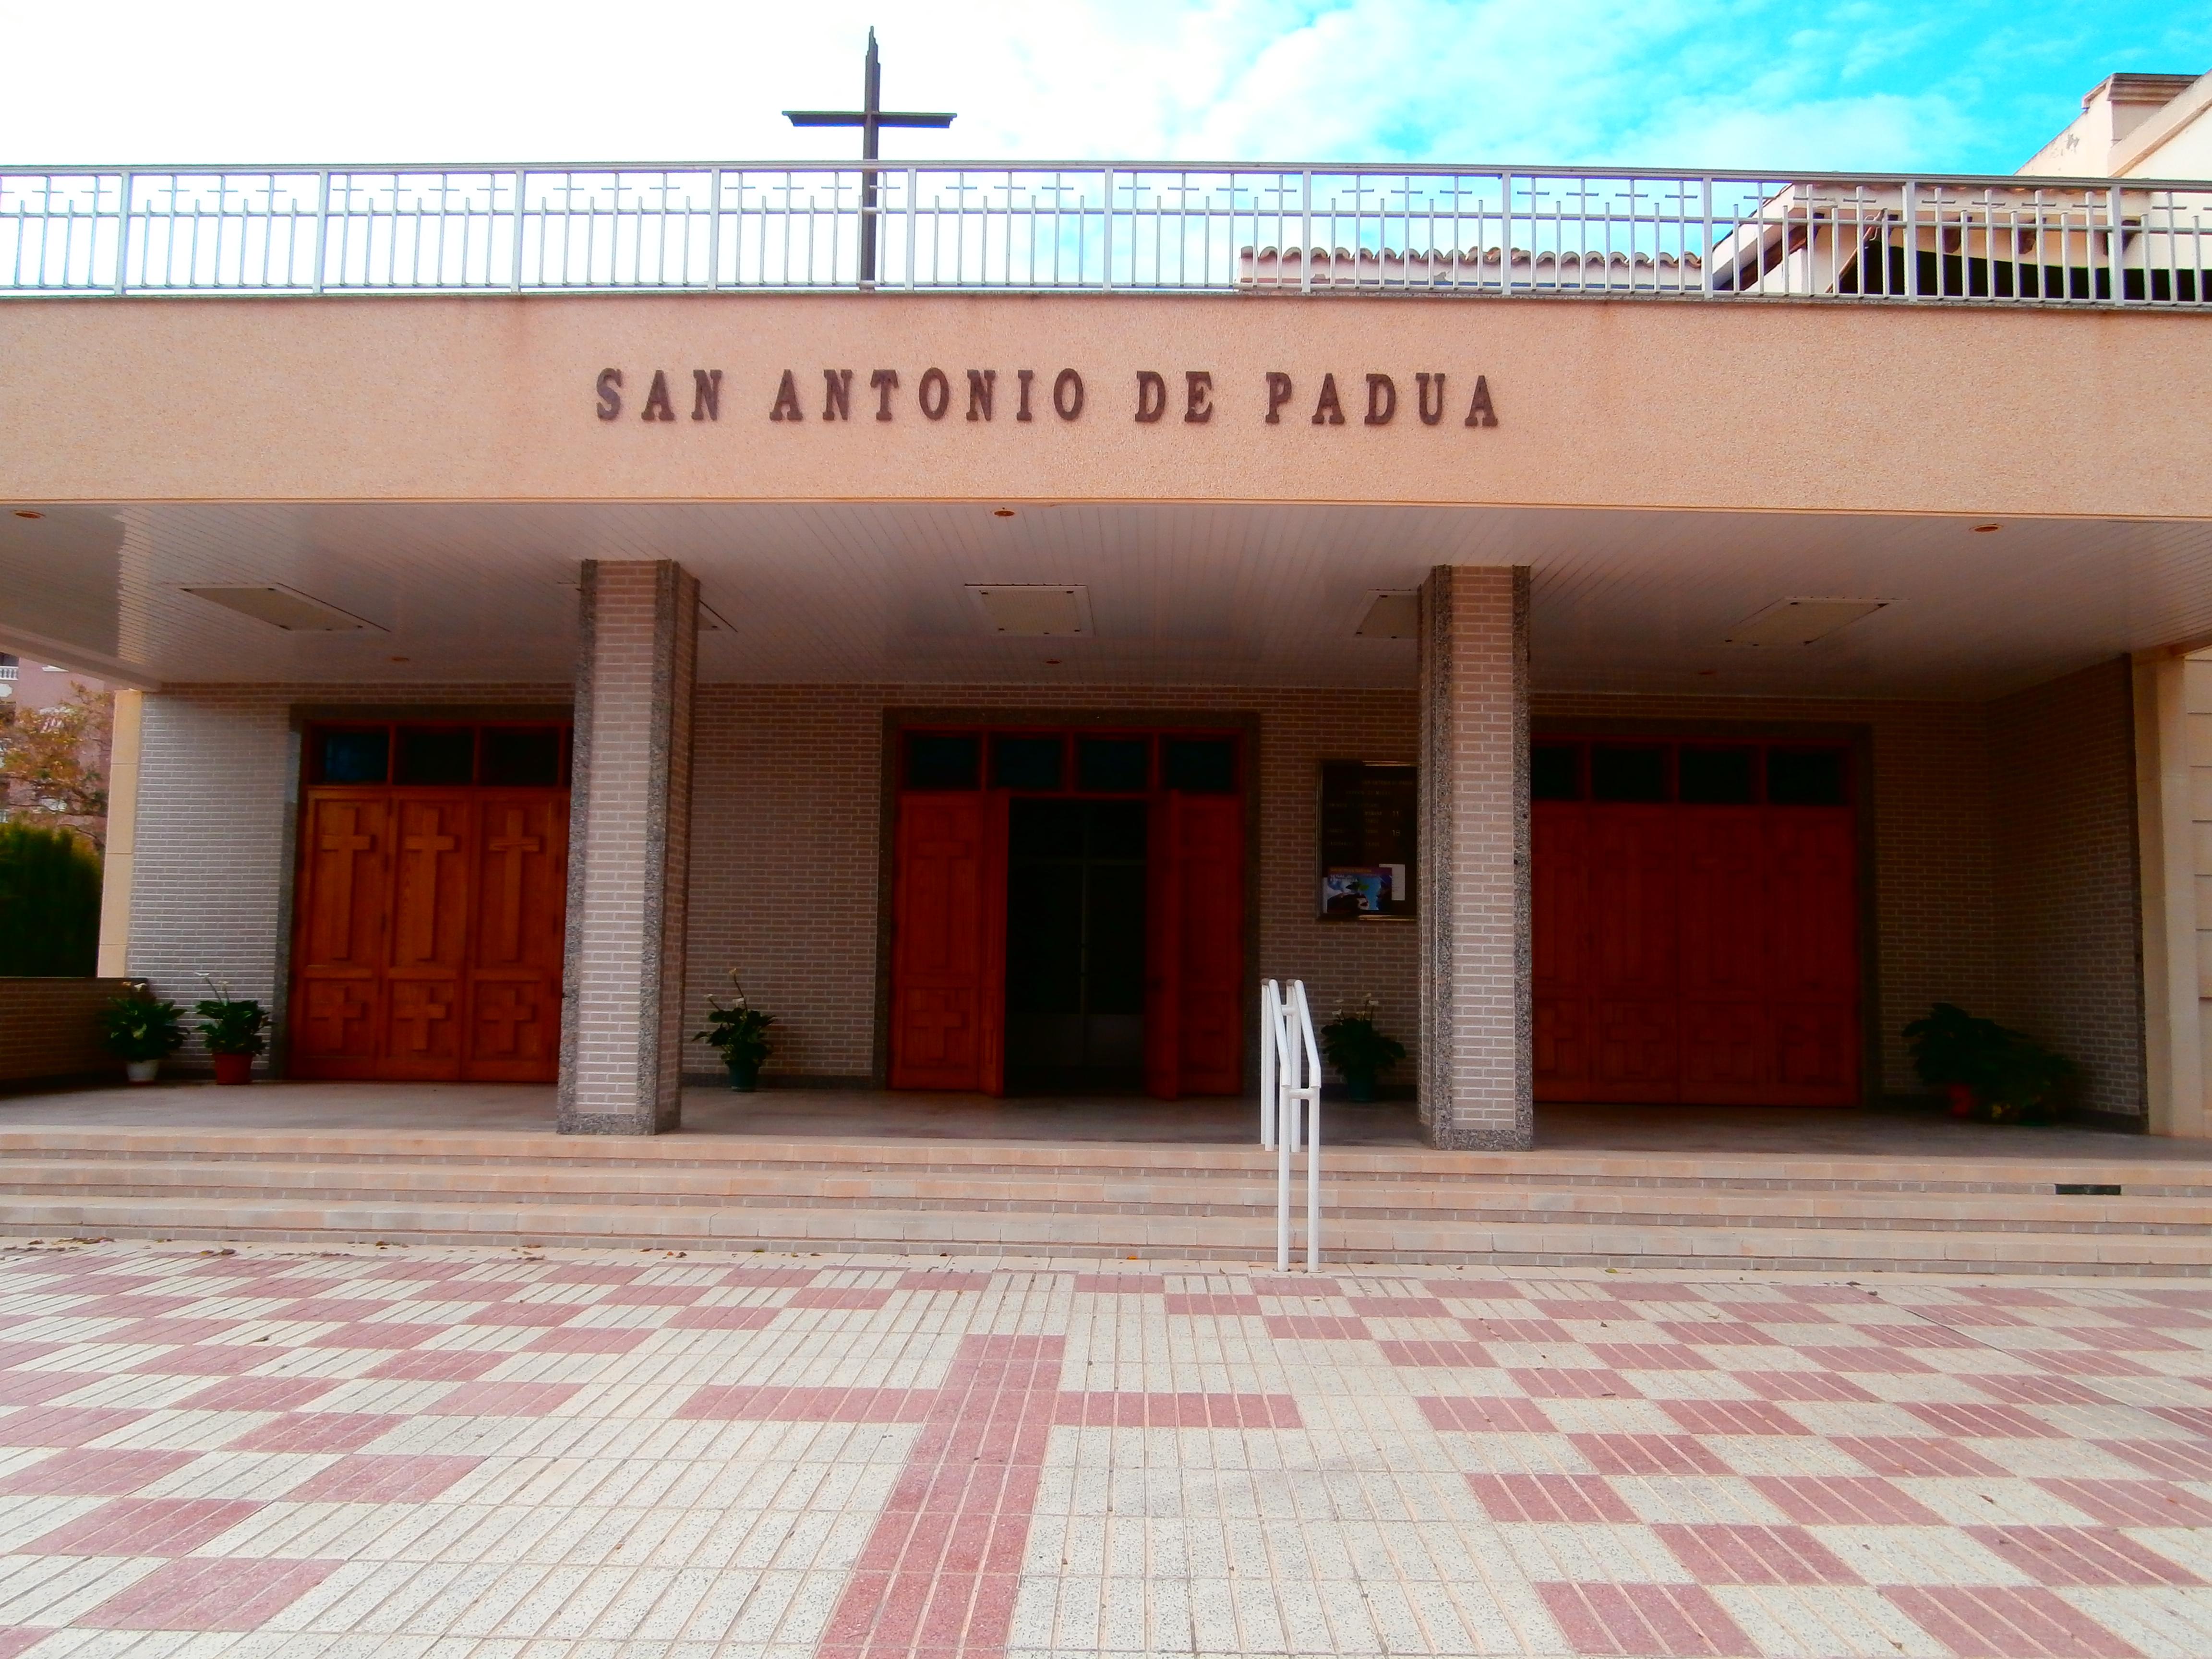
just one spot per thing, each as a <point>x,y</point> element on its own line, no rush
<point>621,1034</point>
<point>1474,884</point>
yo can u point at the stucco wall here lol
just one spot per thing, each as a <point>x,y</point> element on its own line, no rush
<point>2065,863</point>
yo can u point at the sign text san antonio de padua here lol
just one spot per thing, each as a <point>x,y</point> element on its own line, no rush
<point>981,395</point>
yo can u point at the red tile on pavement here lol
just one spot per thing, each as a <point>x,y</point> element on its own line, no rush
<point>63,1425</point>
<point>1732,1417</point>
<point>1573,1382</point>
<point>502,1400</point>
<point>2133,1503</point>
<point>1647,1454</point>
<point>209,1359</point>
<point>375,1333</point>
<point>19,1389</point>
<point>439,1365</point>
<point>22,1639</point>
<point>86,1473</point>
<point>1723,1333</point>
<point>1400,1307</point>
<point>370,1478</point>
<point>588,1340</point>
<point>1866,1359</point>
<point>2177,1460</point>
<point>653,1296</point>
<point>2080,1555</point>
<point>2197,1419</point>
<point>317,1432</point>
<point>206,1593</point>
<point>1464,1356</point>
<point>2004,1622</point>
<point>1114,1409</point>
<point>173,1331</point>
<point>1675,1621</point>
<point>746,1402</point>
<point>524,1313</point>
<point>1294,1286</point>
<point>838,1296</point>
<point>1536,1331</point>
<point>1844,1500</point>
<point>143,1526</point>
<point>587,1273</point>
<point>1181,1301</point>
<point>1317,1328</point>
<point>333,1310</point>
<point>727,1319</point>
<point>1914,1454</point>
<point>2035,1389</point>
<point>258,1393</point>
<point>1650,1357</point>
<point>1487,1414</point>
<point>1545,1497</point>
<point>1970,1421</point>
<point>942,1278</point>
<point>1120,1284</point>
<point>1753,1555</point>
<point>1800,1385</point>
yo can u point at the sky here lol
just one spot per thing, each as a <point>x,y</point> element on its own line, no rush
<point>1973,86</point>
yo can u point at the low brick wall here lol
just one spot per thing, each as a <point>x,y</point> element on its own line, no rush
<point>50,1029</point>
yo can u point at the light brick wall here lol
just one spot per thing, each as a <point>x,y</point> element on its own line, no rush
<point>2067,891</point>
<point>1934,938</point>
<point>1476,1014</point>
<point>787,855</point>
<point>218,793</point>
<point>621,998</point>
<point>50,1029</point>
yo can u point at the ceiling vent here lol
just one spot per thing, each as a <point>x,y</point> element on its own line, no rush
<point>1035,610</point>
<point>1799,622</point>
<point>1390,616</point>
<point>285,608</point>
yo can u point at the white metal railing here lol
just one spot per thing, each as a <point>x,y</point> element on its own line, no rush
<point>1290,1107</point>
<point>1611,233</point>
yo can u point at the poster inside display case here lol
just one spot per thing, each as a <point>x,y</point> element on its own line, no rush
<point>1368,813</point>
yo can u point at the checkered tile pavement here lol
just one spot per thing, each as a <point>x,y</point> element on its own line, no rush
<point>597,1454</point>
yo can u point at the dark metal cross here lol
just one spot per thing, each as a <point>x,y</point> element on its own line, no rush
<point>871,118</point>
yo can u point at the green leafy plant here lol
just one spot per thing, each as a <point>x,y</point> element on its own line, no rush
<point>1355,1045</point>
<point>2011,1077</point>
<point>229,1025</point>
<point>738,1032</point>
<point>49,900</point>
<point>136,1027</point>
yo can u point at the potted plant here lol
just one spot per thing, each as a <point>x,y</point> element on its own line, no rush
<point>142,1033</point>
<point>232,1028</point>
<point>1986,1068</point>
<point>739,1032</point>
<point>1357,1047</point>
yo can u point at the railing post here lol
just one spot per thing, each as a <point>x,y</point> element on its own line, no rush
<point>322,229</point>
<point>1705,251</point>
<point>521,188</point>
<point>913,221</point>
<point>1106,235</point>
<point>1305,235</point>
<point>1505,237</point>
<point>122,234</point>
<point>2116,243</point>
<point>1911,239</point>
<point>714,230</point>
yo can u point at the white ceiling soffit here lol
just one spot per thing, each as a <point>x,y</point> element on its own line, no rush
<point>1390,616</point>
<point>1799,622</point>
<point>1035,610</point>
<point>286,608</point>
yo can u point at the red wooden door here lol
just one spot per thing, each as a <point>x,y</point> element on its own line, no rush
<point>948,942</point>
<point>1559,898</point>
<point>1634,971</point>
<point>337,997</point>
<point>1194,1016</point>
<point>1723,922</point>
<point>514,990</point>
<point>1814,905</point>
<point>428,935</point>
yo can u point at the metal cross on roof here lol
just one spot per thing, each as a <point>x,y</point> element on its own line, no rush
<point>871,118</point>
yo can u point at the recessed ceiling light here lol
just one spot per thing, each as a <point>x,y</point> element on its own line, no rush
<point>286,608</point>
<point>1987,528</point>
<point>1002,511</point>
<point>1799,622</point>
<point>26,513</point>
<point>1036,610</point>
<point>1390,616</point>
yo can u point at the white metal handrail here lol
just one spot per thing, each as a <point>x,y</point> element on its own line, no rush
<point>1290,1107</point>
<point>1219,227</point>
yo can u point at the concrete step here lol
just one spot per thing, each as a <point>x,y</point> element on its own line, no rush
<point>968,1232</point>
<point>1226,1193</point>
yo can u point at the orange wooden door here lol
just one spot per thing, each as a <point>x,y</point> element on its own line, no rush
<point>513,1001</point>
<point>433,863</point>
<point>338,936</point>
<point>947,942</point>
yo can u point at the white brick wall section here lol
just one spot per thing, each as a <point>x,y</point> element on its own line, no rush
<point>1476,1016</point>
<point>622,1031</point>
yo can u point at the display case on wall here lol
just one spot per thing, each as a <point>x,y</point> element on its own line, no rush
<point>1369,810</point>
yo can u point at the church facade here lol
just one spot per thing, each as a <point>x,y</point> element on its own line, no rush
<point>1653,677</point>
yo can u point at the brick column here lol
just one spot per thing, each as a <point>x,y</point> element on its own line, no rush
<point>622,1035</point>
<point>1474,884</point>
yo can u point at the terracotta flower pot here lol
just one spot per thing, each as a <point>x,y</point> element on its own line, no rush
<point>233,1068</point>
<point>1962,1099</point>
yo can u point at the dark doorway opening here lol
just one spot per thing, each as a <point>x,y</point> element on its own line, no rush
<point>1075,944</point>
